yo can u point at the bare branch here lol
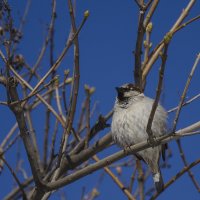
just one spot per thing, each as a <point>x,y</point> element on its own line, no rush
<point>116,180</point>
<point>177,176</point>
<point>114,157</point>
<point>184,93</point>
<point>185,103</point>
<point>158,92</point>
<point>191,175</point>
<point>155,55</point>
<point>15,177</point>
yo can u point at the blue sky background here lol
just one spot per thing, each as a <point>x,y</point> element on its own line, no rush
<point>106,61</point>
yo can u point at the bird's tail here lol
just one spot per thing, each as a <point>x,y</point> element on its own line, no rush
<point>158,181</point>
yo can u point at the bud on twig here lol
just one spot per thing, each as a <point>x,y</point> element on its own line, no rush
<point>86,14</point>
<point>89,89</point>
<point>69,80</point>
<point>149,27</point>
<point>56,80</point>
<point>66,72</point>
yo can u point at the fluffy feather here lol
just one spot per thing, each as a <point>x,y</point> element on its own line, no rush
<point>131,113</point>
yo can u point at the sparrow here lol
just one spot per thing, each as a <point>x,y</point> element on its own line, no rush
<point>130,117</point>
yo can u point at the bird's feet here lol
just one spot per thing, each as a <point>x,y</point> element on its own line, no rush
<point>127,147</point>
<point>152,141</point>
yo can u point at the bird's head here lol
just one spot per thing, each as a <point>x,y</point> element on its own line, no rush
<point>127,91</point>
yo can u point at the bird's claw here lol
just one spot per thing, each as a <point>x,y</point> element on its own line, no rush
<point>152,141</point>
<point>127,147</point>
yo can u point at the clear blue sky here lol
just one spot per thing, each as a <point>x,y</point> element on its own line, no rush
<point>106,61</point>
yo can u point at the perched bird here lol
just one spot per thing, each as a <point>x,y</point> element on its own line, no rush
<point>131,113</point>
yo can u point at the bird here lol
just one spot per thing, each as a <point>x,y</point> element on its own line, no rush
<point>129,122</point>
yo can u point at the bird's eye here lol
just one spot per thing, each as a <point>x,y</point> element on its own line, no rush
<point>126,89</point>
<point>130,89</point>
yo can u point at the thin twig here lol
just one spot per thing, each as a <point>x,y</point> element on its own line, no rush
<point>32,131</point>
<point>139,4</point>
<point>177,176</point>
<point>158,93</point>
<point>156,53</point>
<point>140,179</point>
<point>30,87</point>
<point>9,135</point>
<point>53,140</point>
<point>24,132</point>
<point>66,73</point>
<point>76,72</point>
<point>176,30</point>
<point>184,93</point>
<point>48,37</point>
<point>58,100</point>
<point>50,96</point>
<point>138,48</point>
<point>22,21</point>
<point>186,23</point>
<point>177,117</point>
<point>185,103</point>
<point>150,13</point>
<point>36,92</point>
<point>116,180</point>
<point>87,105</point>
<point>11,143</point>
<point>15,177</point>
<point>81,117</point>
<point>21,170</point>
<point>147,44</point>
<point>39,96</point>
<point>45,95</point>
<point>132,179</point>
<point>116,156</point>
<point>191,175</point>
<point>76,76</point>
<point>99,125</point>
<point>15,191</point>
<point>60,58</point>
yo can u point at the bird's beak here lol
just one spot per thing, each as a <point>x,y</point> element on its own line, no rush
<point>120,93</point>
<point>119,90</point>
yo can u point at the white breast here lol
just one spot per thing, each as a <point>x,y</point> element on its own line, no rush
<point>129,124</point>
